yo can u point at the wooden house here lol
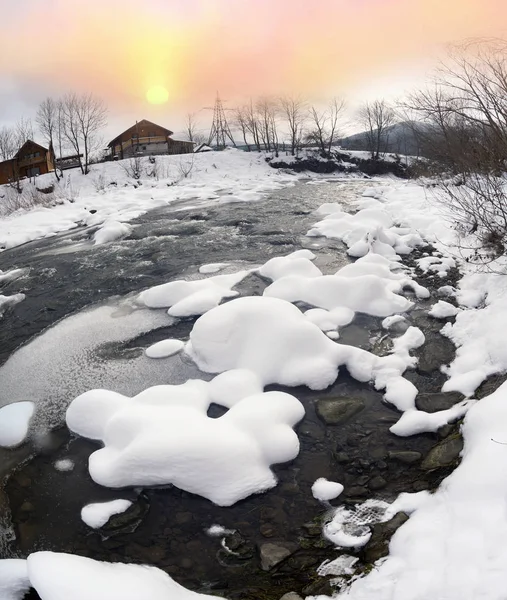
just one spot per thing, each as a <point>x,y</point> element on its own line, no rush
<point>30,160</point>
<point>147,139</point>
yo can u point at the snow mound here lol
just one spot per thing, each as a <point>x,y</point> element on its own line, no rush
<point>350,527</point>
<point>98,514</point>
<point>436,264</point>
<point>325,490</point>
<point>164,348</point>
<point>164,436</point>
<point>298,263</point>
<point>212,268</point>
<point>11,275</point>
<point>8,301</point>
<point>188,298</point>
<point>64,465</point>
<point>13,579</point>
<point>14,423</point>
<point>329,320</point>
<point>111,231</point>
<point>58,576</point>
<point>443,310</point>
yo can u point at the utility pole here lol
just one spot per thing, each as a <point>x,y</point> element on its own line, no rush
<point>220,131</point>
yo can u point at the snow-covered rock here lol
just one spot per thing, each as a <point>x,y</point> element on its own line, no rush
<point>14,423</point>
<point>98,514</point>
<point>325,490</point>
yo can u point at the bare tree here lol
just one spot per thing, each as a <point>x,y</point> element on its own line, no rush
<point>252,124</point>
<point>294,111</point>
<point>7,143</point>
<point>84,116</point>
<point>190,127</point>
<point>241,122</point>
<point>266,113</point>
<point>48,117</point>
<point>23,131</point>
<point>324,125</point>
<point>376,117</point>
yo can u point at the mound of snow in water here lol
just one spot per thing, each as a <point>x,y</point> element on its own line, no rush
<point>58,576</point>
<point>110,231</point>
<point>350,527</point>
<point>11,275</point>
<point>13,579</point>
<point>188,298</point>
<point>164,348</point>
<point>164,436</point>
<point>298,263</point>
<point>98,514</point>
<point>443,310</point>
<point>325,490</point>
<point>212,268</point>
<point>14,423</point>
<point>8,301</point>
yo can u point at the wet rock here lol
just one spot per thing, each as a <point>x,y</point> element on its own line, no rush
<point>437,351</point>
<point>334,411</point>
<point>357,491</point>
<point>183,517</point>
<point>381,464</point>
<point>439,401</point>
<point>420,485</point>
<point>273,554</point>
<point>291,489</point>
<point>267,530</point>
<point>405,456</point>
<point>363,480</point>
<point>353,439</point>
<point>378,545</point>
<point>320,587</point>
<point>444,454</point>
<point>312,529</point>
<point>378,452</point>
<point>129,520</point>
<point>377,483</point>
<point>27,507</point>
<point>342,457</point>
<point>445,430</point>
<point>312,430</point>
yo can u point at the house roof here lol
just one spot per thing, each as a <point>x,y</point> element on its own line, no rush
<point>141,122</point>
<point>31,143</point>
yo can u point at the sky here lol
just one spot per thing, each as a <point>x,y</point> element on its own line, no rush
<point>122,49</point>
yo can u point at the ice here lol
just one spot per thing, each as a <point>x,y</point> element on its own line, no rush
<point>13,579</point>
<point>98,514</point>
<point>164,348</point>
<point>212,268</point>
<point>12,274</point>
<point>443,310</point>
<point>188,298</point>
<point>349,527</point>
<point>111,231</point>
<point>325,490</point>
<point>58,576</point>
<point>8,301</point>
<point>14,423</point>
<point>64,465</point>
<point>164,436</point>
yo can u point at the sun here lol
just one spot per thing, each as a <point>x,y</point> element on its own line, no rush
<point>157,94</point>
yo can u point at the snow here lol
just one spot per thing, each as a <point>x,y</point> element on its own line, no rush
<point>390,322</point>
<point>14,423</point>
<point>443,310</point>
<point>12,274</point>
<point>58,576</point>
<point>216,178</point>
<point>212,268</point>
<point>111,231</point>
<point>414,421</point>
<point>98,514</point>
<point>325,490</point>
<point>13,579</point>
<point>64,465</point>
<point>188,298</point>
<point>218,531</point>
<point>8,301</point>
<point>164,436</point>
<point>297,263</point>
<point>453,545</point>
<point>164,348</point>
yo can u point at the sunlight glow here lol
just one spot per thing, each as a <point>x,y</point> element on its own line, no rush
<point>157,94</point>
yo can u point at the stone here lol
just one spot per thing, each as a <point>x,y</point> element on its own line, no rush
<point>312,430</point>
<point>438,401</point>
<point>291,596</point>
<point>405,456</point>
<point>183,517</point>
<point>319,587</point>
<point>420,485</point>
<point>444,454</point>
<point>128,520</point>
<point>27,507</point>
<point>357,491</point>
<point>312,529</point>
<point>363,480</point>
<point>437,351</point>
<point>377,483</point>
<point>334,411</point>
<point>273,554</point>
<point>378,545</point>
<point>342,457</point>
<point>267,530</point>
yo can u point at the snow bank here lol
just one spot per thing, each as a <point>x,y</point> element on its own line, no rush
<point>58,576</point>
<point>8,301</point>
<point>14,423</point>
<point>325,490</point>
<point>111,231</point>
<point>188,298</point>
<point>164,348</point>
<point>12,274</point>
<point>453,545</point>
<point>297,263</point>
<point>163,435</point>
<point>13,579</point>
<point>98,514</point>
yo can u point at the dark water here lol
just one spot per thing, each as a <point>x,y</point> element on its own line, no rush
<point>166,526</point>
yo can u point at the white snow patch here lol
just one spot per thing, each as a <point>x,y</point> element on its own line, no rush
<point>14,581</point>
<point>212,268</point>
<point>390,322</point>
<point>164,348</point>
<point>325,490</point>
<point>65,464</point>
<point>14,423</point>
<point>349,527</point>
<point>111,231</point>
<point>98,514</point>
<point>219,531</point>
<point>443,310</point>
<point>8,301</point>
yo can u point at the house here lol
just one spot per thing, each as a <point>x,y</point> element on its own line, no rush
<point>30,160</point>
<point>145,139</point>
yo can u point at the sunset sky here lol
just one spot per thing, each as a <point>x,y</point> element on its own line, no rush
<point>120,49</point>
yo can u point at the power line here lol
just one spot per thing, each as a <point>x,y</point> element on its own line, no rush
<point>220,131</point>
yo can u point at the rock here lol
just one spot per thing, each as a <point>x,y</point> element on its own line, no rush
<point>439,401</point>
<point>334,411</point>
<point>291,596</point>
<point>342,457</point>
<point>128,520</point>
<point>420,485</point>
<point>183,517</point>
<point>444,454</point>
<point>363,480</point>
<point>312,529</point>
<point>27,507</point>
<point>320,587</point>
<point>405,456</point>
<point>381,464</point>
<point>273,554</point>
<point>267,530</point>
<point>437,351</point>
<point>357,491</point>
<point>377,483</point>
<point>378,545</point>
